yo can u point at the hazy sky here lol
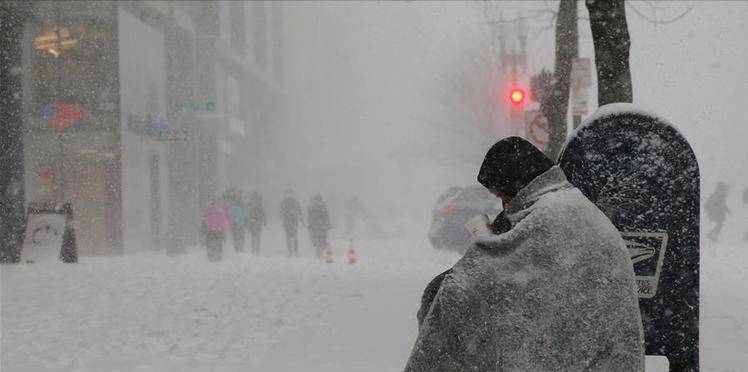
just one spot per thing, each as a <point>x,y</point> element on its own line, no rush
<point>370,71</point>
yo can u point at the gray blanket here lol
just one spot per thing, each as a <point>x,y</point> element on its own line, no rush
<point>555,293</point>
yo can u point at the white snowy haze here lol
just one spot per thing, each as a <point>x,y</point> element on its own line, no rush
<point>392,102</point>
<point>362,102</point>
<point>368,83</point>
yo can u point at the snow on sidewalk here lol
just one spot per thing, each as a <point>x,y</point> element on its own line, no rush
<point>149,312</point>
<point>153,313</point>
<point>724,307</point>
<point>371,325</point>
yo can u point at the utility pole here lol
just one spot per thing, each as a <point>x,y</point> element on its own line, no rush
<point>610,34</point>
<point>512,36</point>
<point>576,118</point>
<point>556,104</point>
<point>12,197</point>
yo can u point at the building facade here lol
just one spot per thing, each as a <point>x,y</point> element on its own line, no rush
<point>139,112</point>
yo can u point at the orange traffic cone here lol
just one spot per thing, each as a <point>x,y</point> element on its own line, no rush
<point>328,255</point>
<point>351,254</point>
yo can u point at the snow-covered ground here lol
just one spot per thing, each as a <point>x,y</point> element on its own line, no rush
<point>154,313</point>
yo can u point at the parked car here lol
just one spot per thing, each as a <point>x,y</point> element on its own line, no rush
<point>453,209</point>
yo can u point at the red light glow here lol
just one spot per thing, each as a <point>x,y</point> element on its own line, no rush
<point>517,96</point>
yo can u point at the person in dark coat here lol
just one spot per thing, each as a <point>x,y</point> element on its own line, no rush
<point>255,220</point>
<point>318,220</point>
<point>69,251</point>
<point>717,210</point>
<point>292,216</point>
<point>552,289</point>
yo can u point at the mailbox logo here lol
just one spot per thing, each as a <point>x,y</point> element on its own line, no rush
<point>647,251</point>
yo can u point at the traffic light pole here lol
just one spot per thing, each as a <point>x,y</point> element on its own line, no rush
<point>510,40</point>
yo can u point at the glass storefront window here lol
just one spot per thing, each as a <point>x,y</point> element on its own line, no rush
<point>74,62</point>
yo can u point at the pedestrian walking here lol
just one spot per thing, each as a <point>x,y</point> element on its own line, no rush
<point>318,220</point>
<point>291,215</point>
<point>238,210</point>
<point>216,219</point>
<point>717,210</point>
<point>553,291</point>
<point>255,220</point>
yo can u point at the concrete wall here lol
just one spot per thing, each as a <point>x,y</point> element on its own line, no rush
<point>142,96</point>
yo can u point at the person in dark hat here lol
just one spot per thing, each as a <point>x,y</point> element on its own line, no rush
<point>256,220</point>
<point>292,216</point>
<point>318,220</point>
<point>508,167</point>
<point>552,289</point>
<point>717,210</point>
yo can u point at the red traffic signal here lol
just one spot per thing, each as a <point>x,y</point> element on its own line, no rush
<point>517,96</point>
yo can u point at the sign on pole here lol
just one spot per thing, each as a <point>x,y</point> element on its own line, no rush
<point>61,115</point>
<point>174,136</point>
<point>537,129</point>
<point>581,72</point>
<point>579,99</point>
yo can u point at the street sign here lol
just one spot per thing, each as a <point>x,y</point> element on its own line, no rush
<point>43,238</point>
<point>537,129</point>
<point>49,234</point>
<point>174,136</point>
<point>581,72</point>
<point>197,106</point>
<point>642,173</point>
<point>579,99</point>
<point>62,115</point>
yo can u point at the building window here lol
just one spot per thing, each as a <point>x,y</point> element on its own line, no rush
<point>259,26</point>
<point>236,23</point>
<point>277,36</point>
<point>74,62</point>
<point>207,19</point>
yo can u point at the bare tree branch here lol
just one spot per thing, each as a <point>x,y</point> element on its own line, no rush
<point>536,14</point>
<point>655,20</point>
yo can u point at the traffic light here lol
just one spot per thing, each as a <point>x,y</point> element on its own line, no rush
<point>517,96</point>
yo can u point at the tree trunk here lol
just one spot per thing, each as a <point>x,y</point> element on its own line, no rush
<point>12,219</point>
<point>555,106</point>
<point>612,42</point>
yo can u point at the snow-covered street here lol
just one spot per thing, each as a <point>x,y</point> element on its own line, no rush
<point>154,313</point>
<point>150,312</point>
<point>136,137</point>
